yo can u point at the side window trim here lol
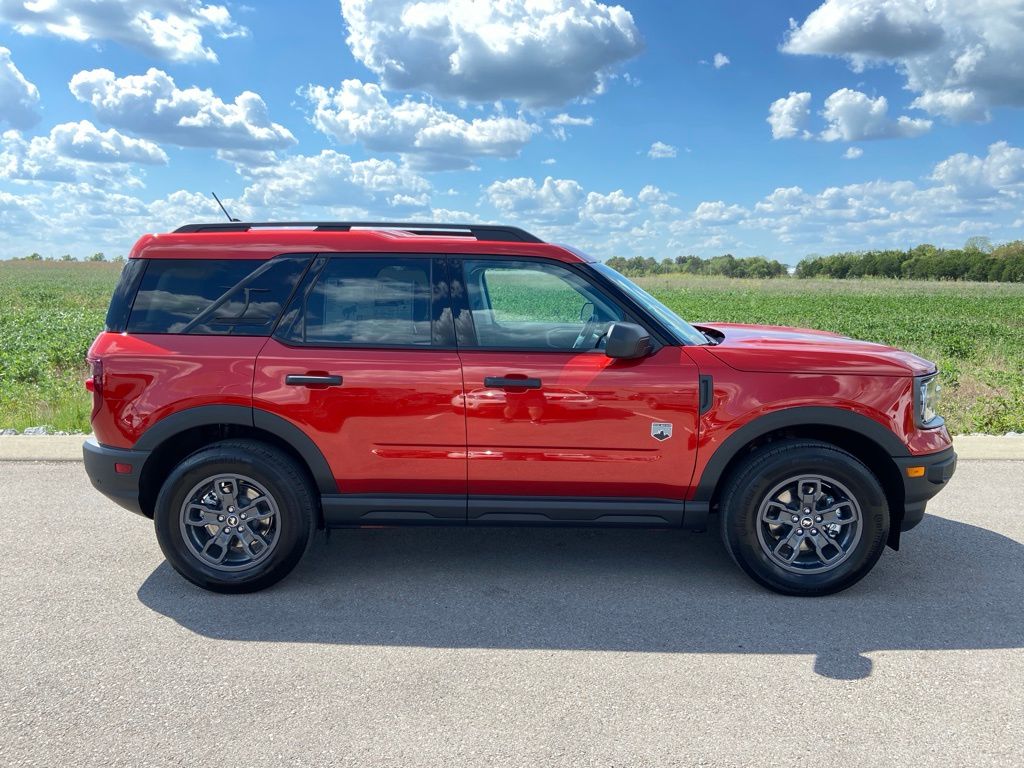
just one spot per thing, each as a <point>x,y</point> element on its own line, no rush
<point>461,306</point>
<point>439,272</point>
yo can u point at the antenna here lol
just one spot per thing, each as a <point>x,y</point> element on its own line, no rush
<point>222,207</point>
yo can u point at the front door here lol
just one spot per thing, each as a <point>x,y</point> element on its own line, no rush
<point>364,363</point>
<point>556,430</point>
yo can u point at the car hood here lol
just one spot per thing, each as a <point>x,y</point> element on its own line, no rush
<point>776,349</point>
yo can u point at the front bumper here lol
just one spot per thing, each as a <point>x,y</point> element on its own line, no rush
<point>120,487</point>
<point>918,491</point>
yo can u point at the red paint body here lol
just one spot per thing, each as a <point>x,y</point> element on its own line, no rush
<point>421,421</point>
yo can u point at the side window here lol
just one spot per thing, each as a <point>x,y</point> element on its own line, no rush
<point>368,301</point>
<point>534,305</point>
<point>208,296</point>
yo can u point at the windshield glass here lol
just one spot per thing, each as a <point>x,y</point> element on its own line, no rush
<point>684,332</point>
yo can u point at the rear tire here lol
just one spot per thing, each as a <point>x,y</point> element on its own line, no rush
<point>235,517</point>
<point>804,517</point>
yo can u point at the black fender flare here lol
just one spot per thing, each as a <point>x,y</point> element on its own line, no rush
<point>799,416</point>
<point>206,415</point>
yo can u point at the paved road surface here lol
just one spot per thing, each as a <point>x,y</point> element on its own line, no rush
<point>517,647</point>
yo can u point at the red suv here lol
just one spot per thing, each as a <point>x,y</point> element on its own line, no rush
<point>256,382</point>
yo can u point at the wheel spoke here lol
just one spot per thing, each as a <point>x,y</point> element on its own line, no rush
<point>809,491</point>
<point>775,512</point>
<point>227,488</point>
<point>222,541</point>
<point>793,542</point>
<point>253,512</point>
<point>253,541</point>
<point>823,544</point>
<point>831,515</point>
<point>206,517</point>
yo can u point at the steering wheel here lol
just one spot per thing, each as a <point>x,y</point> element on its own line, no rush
<point>586,332</point>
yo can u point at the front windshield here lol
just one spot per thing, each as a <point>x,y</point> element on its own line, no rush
<point>684,332</point>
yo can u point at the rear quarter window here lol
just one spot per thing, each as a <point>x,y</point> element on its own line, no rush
<point>210,296</point>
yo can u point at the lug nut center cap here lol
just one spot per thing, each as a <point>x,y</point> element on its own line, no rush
<point>234,520</point>
<point>806,522</point>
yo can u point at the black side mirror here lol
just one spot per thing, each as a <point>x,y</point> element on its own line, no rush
<point>626,341</point>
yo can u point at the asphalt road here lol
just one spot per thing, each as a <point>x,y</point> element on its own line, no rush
<point>506,647</point>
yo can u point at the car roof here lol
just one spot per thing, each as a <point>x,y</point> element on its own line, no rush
<point>238,240</point>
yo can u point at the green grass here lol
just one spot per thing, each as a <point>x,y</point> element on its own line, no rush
<point>50,312</point>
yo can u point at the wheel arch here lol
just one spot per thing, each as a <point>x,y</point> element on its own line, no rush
<point>173,438</point>
<point>863,437</point>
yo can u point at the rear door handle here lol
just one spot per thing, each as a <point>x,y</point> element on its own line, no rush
<point>305,380</point>
<point>507,382</point>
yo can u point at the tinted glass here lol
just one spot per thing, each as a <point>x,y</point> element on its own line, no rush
<point>209,296</point>
<point>121,301</point>
<point>374,301</point>
<point>533,305</point>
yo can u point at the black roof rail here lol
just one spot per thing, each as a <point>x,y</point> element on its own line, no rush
<point>479,231</point>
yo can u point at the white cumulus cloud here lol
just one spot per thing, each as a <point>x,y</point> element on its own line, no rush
<point>852,153</point>
<point>962,57</point>
<point>854,116</point>
<point>427,136</point>
<point>539,52</point>
<point>174,30</point>
<point>720,60</point>
<point>660,150</point>
<point>788,116</point>
<point>333,180</point>
<point>76,152</point>
<point>19,99</point>
<point>151,105</point>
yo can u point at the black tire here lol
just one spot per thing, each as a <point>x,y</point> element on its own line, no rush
<point>751,496</point>
<point>261,470</point>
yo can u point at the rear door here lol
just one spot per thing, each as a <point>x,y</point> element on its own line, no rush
<point>556,430</point>
<point>364,362</point>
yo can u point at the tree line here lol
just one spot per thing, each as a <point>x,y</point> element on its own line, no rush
<point>978,260</point>
<point>726,265</point>
<point>98,256</point>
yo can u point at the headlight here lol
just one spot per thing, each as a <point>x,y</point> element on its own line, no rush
<point>927,401</point>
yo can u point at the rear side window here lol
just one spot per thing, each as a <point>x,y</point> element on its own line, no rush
<point>375,301</point>
<point>208,296</point>
<point>121,302</point>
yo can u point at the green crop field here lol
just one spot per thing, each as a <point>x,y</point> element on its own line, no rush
<point>51,311</point>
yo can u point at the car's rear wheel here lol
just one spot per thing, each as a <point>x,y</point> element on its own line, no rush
<point>235,517</point>
<point>804,517</point>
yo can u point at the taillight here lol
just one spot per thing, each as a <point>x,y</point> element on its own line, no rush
<point>95,382</point>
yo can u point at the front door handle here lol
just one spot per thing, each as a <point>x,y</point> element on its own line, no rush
<point>509,382</point>
<point>308,380</point>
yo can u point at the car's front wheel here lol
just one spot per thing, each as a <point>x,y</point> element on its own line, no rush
<point>235,517</point>
<point>804,517</point>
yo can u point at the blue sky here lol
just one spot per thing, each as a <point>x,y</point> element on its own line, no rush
<point>639,128</point>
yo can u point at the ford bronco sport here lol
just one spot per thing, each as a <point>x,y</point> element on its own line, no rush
<point>256,382</point>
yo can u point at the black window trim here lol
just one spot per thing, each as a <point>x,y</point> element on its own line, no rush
<point>600,286</point>
<point>313,276</point>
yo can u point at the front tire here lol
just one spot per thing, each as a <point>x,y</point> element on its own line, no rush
<point>235,517</point>
<point>804,517</point>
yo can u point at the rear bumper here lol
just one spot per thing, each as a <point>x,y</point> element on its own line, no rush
<point>917,491</point>
<point>120,487</point>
